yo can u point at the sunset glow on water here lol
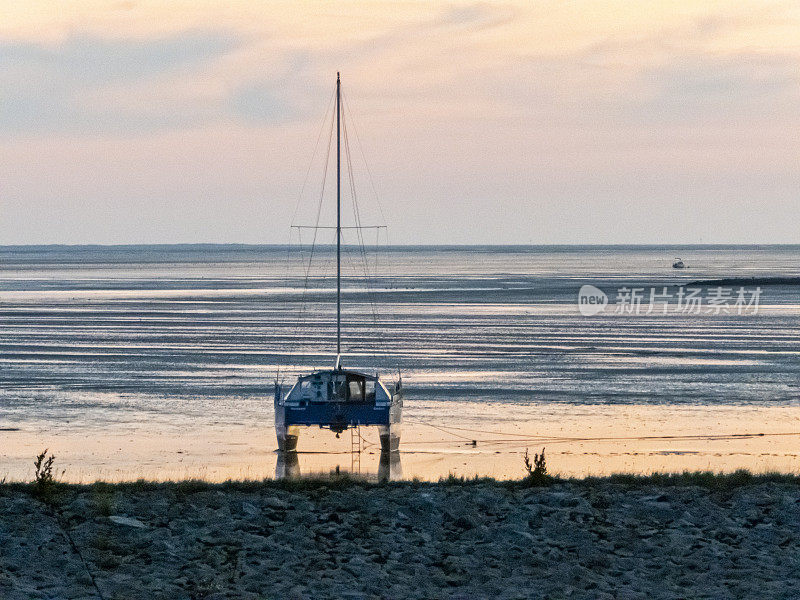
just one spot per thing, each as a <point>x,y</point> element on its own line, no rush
<point>160,362</point>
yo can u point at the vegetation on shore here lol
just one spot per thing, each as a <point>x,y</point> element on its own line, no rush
<point>48,489</point>
<point>704,479</point>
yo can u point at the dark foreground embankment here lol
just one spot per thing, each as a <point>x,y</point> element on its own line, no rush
<point>692,536</point>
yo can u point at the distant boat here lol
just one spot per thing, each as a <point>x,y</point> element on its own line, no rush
<point>338,398</point>
<point>678,264</point>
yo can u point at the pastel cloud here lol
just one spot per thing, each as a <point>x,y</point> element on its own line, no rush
<point>48,87</point>
<point>605,115</point>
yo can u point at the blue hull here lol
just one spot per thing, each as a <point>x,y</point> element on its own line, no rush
<point>338,400</point>
<point>338,415</point>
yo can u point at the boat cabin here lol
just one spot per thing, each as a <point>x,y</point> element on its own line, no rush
<point>338,399</point>
<point>337,386</point>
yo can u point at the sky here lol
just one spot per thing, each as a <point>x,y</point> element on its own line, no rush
<point>535,122</point>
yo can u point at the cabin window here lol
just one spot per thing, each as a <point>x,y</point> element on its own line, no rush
<point>357,390</point>
<point>370,390</point>
<point>339,389</point>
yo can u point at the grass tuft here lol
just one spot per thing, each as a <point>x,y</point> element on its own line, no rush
<point>106,492</point>
<point>103,498</point>
<point>715,482</point>
<point>537,472</point>
<point>43,480</point>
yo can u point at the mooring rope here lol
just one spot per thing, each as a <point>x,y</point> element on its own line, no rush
<point>521,437</point>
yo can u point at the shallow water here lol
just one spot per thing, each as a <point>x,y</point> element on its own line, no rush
<point>100,342</point>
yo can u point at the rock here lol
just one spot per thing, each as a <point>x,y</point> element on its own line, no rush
<point>250,509</point>
<point>485,541</point>
<point>127,521</point>
<point>333,517</point>
<point>654,498</point>
<point>275,503</point>
<point>528,536</point>
<point>464,522</point>
<point>80,506</point>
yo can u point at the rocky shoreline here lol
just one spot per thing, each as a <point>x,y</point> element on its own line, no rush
<point>658,537</point>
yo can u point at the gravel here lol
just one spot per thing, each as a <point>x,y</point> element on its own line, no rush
<point>443,540</point>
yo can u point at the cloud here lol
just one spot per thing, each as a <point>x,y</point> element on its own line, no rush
<point>702,88</point>
<point>262,102</point>
<point>477,15</point>
<point>91,60</point>
<point>292,91</point>
<point>46,87</point>
<point>464,108</point>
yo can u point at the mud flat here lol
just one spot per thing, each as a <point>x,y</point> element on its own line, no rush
<point>581,440</point>
<point>690,536</point>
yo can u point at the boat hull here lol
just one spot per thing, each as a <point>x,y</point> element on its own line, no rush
<point>390,437</point>
<point>338,417</point>
<point>287,438</point>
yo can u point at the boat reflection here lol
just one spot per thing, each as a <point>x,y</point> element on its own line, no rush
<point>389,467</point>
<point>288,465</point>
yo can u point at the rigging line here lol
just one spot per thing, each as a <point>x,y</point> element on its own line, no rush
<point>314,239</point>
<point>297,208</point>
<point>356,210</point>
<point>311,163</point>
<point>720,436</point>
<point>371,287</point>
<point>357,215</point>
<point>292,339</point>
<point>367,443</point>
<point>441,429</point>
<point>334,227</point>
<point>285,309</point>
<point>319,203</point>
<point>303,324</point>
<point>526,436</point>
<point>353,265</point>
<point>377,201</point>
<point>537,439</point>
<point>298,339</point>
<point>351,182</point>
<point>564,439</point>
<point>364,158</point>
<point>381,334</point>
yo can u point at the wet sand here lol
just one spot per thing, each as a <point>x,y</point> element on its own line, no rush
<point>158,361</point>
<point>437,441</point>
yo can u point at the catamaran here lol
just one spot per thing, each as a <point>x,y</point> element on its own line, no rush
<point>339,398</point>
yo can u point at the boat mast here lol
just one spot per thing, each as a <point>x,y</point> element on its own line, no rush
<point>338,225</point>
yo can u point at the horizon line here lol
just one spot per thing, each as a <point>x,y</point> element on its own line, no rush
<point>423,245</point>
